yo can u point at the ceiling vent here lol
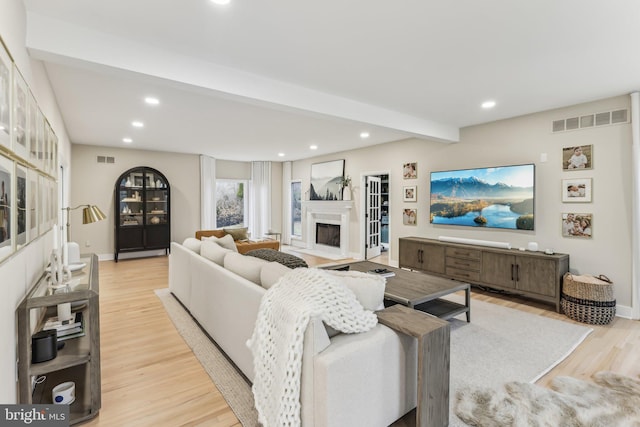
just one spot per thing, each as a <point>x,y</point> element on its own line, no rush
<point>106,159</point>
<point>590,120</point>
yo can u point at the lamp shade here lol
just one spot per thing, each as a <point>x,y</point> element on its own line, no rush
<point>92,214</point>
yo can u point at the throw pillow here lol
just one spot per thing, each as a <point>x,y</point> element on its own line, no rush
<point>271,273</point>
<point>225,242</point>
<point>213,251</point>
<point>192,244</point>
<point>369,288</point>
<point>237,233</point>
<point>245,266</point>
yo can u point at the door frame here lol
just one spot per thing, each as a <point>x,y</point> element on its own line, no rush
<point>362,230</point>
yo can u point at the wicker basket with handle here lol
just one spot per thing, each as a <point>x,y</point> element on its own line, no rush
<point>588,299</point>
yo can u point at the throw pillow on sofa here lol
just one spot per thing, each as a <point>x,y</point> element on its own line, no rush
<point>246,266</point>
<point>369,288</point>
<point>237,233</point>
<point>213,251</point>
<point>192,244</point>
<point>271,273</point>
<point>225,242</point>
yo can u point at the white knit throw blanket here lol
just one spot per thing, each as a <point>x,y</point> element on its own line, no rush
<point>278,337</point>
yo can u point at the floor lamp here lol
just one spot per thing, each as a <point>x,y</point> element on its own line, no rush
<point>90,213</point>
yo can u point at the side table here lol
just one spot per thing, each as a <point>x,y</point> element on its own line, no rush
<point>433,337</point>
<point>276,235</point>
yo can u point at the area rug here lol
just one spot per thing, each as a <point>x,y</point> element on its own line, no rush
<point>500,345</point>
<point>613,400</point>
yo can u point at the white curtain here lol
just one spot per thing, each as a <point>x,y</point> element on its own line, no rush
<point>635,235</point>
<point>286,203</point>
<point>260,211</point>
<point>207,193</point>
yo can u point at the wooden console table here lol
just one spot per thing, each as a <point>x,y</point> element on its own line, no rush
<point>433,337</point>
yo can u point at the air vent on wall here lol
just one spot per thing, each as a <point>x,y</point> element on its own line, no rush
<point>106,159</point>
<point>591,120</point>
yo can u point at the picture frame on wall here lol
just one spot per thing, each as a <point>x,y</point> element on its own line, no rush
<point>40,136</point>
<point>410,217</point>
<point>6,69</point>
<point>19,118</point>
<point>410,193</point>
<point>578,225</point>
<point>579,157</point>
<point>32,126</point>
<point>32,204</point>
<point>576,190</point>
<point>6,199</point>
<point>21,212</point>
<point>42,203</point>
<point>410,170</point>
<point>326,180</point>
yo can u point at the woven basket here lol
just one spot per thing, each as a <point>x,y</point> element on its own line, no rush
<point>588,299</point>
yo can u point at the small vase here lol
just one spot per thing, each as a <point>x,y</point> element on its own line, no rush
<point>346,193</point>
<point>128,183</point>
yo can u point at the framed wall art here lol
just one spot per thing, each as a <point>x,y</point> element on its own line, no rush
<point>410,170</point>
<point>579,157</point>
<point>576,190</point>
<point>326,180</point>
<point>22,226</point>
<point>32,126</point>
<point>32,204</point>
<point>410,217</point>
<point>577,225</point>
<point>410,194</point>
<point>19,119</point>
<point>6,69</point>
<point>6,197</point>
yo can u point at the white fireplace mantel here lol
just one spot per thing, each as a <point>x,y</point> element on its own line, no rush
<point>336,212</point>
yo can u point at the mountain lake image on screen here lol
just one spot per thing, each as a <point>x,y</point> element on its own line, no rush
<point>494,197</point>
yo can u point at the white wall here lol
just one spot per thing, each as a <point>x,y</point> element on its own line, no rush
<point>20,271</point>
<point>515,141</point>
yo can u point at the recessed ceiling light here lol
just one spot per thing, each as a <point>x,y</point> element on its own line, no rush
<point>313,147</point>
<point>364,135</point>
<point>488,104</point>
<point>280,154</point>
<point>151,100</point>
<point>221,2</point>
<point>137,124</point>
<point>127,140</point>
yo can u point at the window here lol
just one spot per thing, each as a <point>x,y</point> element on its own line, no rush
<point>296,209</point>
<point>231,203</point>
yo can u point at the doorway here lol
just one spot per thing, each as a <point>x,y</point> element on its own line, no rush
<point>376,218</point>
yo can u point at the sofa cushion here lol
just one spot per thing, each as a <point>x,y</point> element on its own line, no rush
<point>271,273</point>
<point>283,258</point>
<point>369,288</point>
<point>245,266</point>
<point>192,244</point>
<point>225,242</point>
<point>238,233</point>
<point>213,251</point>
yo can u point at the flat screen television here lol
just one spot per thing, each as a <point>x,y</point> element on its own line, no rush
<point>495,197</point>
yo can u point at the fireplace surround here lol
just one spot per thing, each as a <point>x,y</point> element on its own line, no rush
<point>331,213</point>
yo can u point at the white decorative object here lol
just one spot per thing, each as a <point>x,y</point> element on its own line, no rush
<point>64,311</point>
<point>346,193</point>
<point>128,182</point>
<point>158,184</point>
<point>532,246</point>
<point>489,243</point>
<point>279,330</point>
<point>59,274</point>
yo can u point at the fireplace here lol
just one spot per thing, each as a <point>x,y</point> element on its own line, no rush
<point>328,234</point>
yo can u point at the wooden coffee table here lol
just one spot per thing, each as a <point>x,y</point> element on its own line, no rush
<point>420,291</point>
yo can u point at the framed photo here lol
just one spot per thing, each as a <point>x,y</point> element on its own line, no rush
<point>41,139</point>
<point>32,126</point>
<point>577,225</point>
<point>46,148</point>
<point>32,204</point>
<point>22,228</point>
<point>326,179</point>
<point>42,205</point>
<point>6,68</point>
<point>6,198</point>
<point>576,190</point>
<point>410,217</point>
<point>410,194</point>
<point>579,157</point>
<point>19,119</point>
<point>410,170</point>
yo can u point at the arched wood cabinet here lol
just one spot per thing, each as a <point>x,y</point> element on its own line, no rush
<point>142,211</point>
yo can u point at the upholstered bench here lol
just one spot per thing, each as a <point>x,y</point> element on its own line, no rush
<point>283,258</point>
<point>242,245</point>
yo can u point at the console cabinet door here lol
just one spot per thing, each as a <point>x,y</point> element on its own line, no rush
<point>498,269</point>
<point>537,276</point>
<point>422,256</point>
<point>433,258</point>
<point>410,255</point>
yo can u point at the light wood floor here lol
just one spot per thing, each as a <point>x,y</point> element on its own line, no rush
<point>151,378</point>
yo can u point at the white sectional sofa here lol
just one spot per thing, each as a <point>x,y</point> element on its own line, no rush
<point>366,379</point>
